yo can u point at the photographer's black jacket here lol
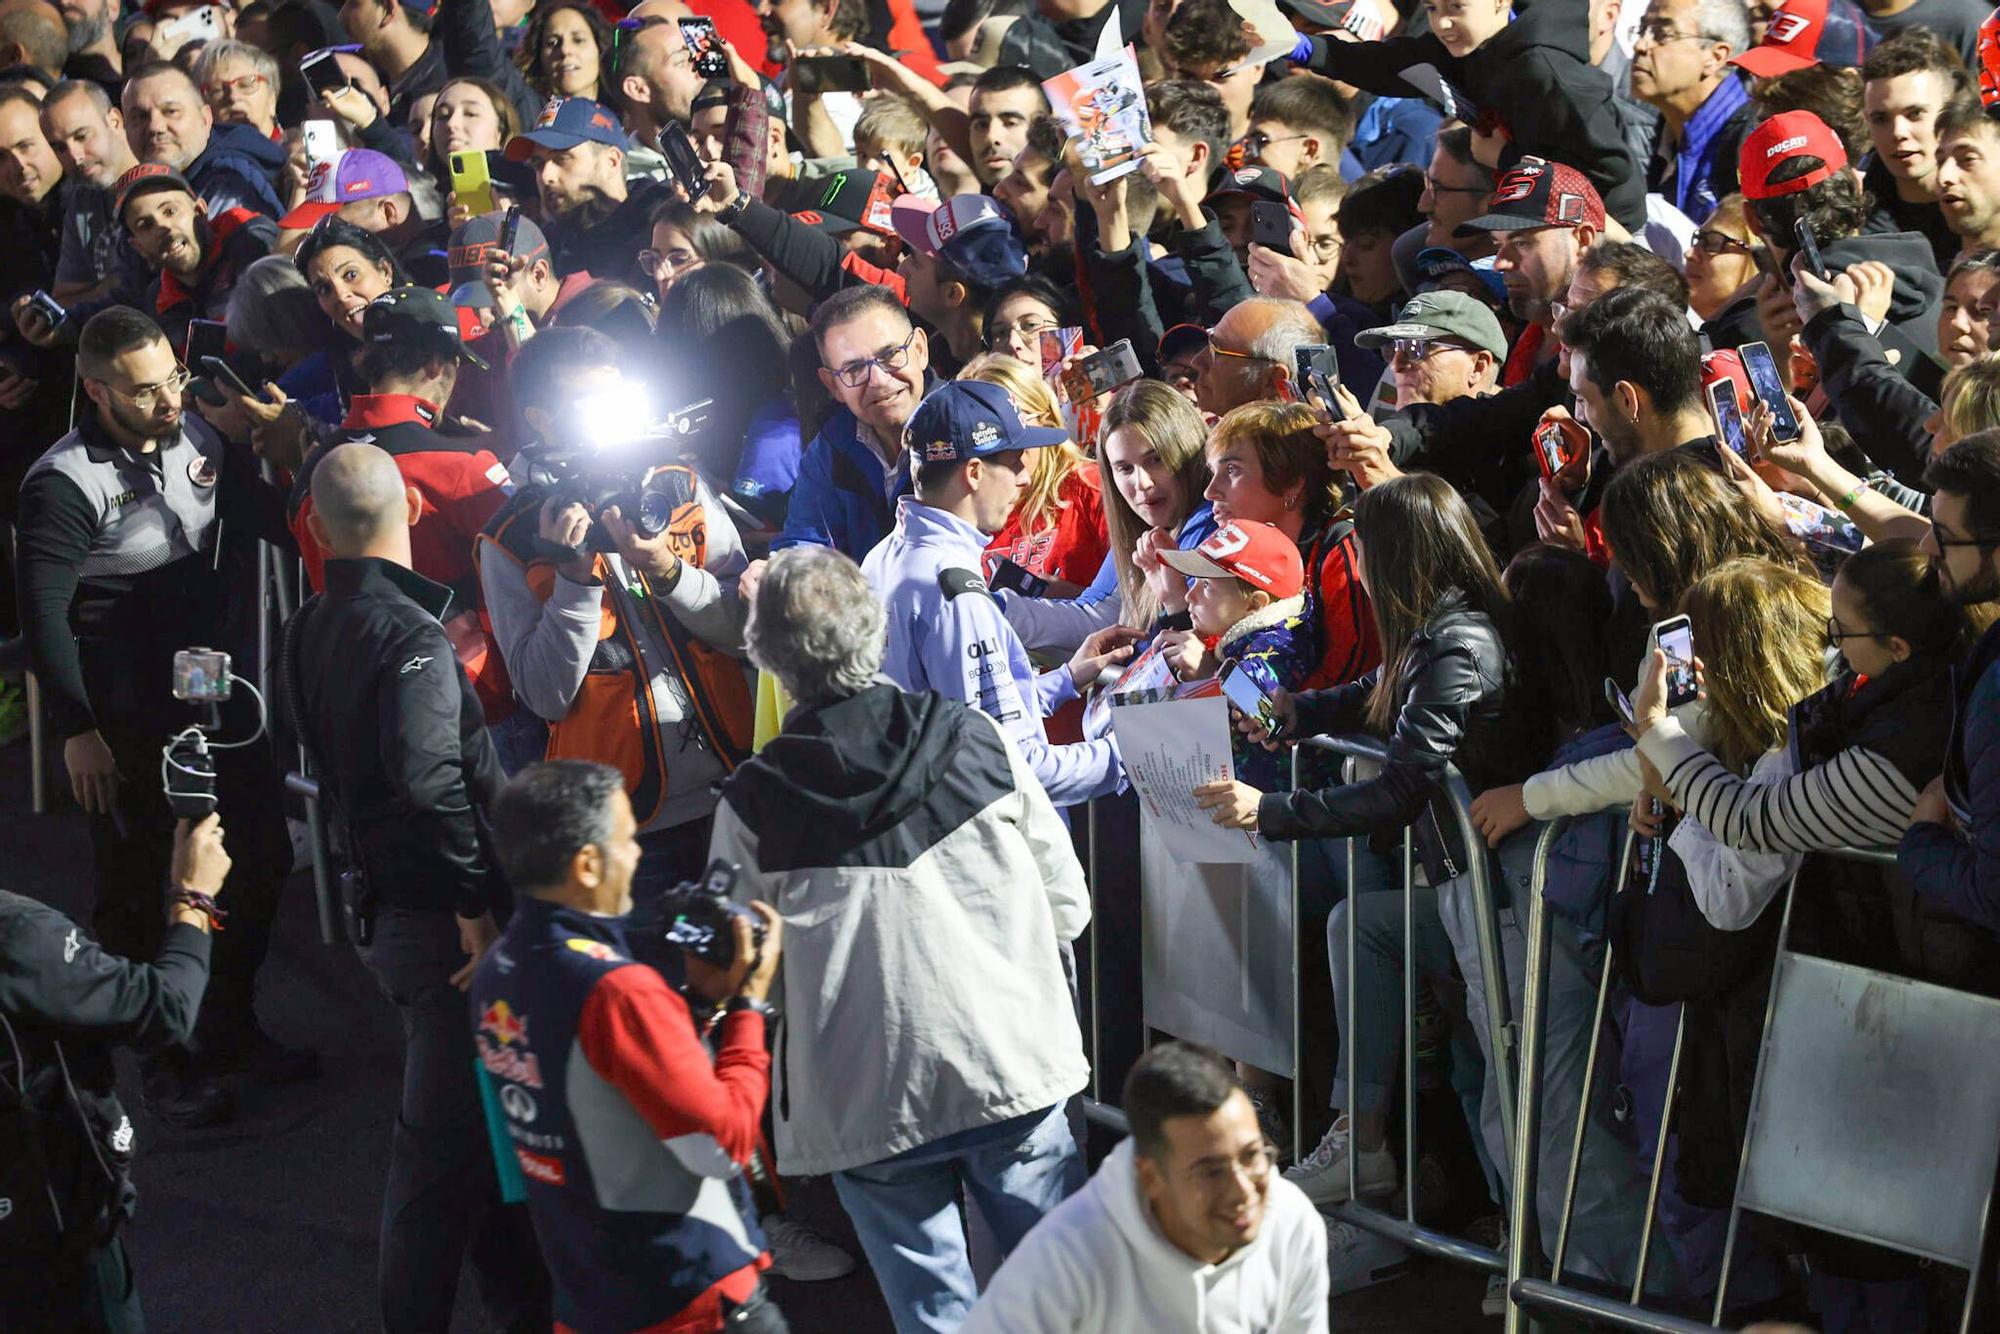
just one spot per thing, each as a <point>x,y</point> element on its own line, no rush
<point>396,732</point>
<point>118,563</point>
<point>59,991</point>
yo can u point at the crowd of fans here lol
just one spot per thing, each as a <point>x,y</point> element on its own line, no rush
<point>739,440</point>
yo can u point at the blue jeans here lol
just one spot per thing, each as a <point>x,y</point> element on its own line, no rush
<point>905,1210</point>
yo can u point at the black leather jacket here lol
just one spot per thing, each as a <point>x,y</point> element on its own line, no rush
<point>1463,704</point>
<point>397,734</point>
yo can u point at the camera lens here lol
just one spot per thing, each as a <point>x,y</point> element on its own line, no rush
<point>656,510</point>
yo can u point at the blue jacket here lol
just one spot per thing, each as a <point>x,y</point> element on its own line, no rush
<point>237,169</point>
<point>1960,871</point>
<point>630,1139</point>
<point>844,496</point>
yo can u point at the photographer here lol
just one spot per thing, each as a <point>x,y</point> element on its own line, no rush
<point>624,640</point>
<point>929,885</point>
<point>65,1005</point>
<point>122,562</point>
<point>368,682</point>
<point>631,1137</point>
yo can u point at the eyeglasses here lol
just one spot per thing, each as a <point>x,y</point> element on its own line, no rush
<point>147,396</point>
<point>1216,350</point>
<point>242,87</point>
<point>657,264</point>
<point>1420,349</point>
<point>1939,540</point>
<point>1254,1167</point>
<point>1660,34</point>
<point>856,373</point>
<point>1438,187</point>
<point>1713,242</point>
<point>1255,142</point>
<point>1834,634</point>
<point>1029,329</point>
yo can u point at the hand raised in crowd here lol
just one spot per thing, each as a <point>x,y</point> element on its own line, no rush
<point>747,582</point>
<point>1556,520</point>
<point>1166,168</point>
<point>652,556</point>
<point>476,935</point>
<point>1109,201</point>
<point>1287,709</point>
<point>200,862</point>
<point>1274,273</point>
<point>1777,315</point>
<point>722,190</point>
<point>34,326</point>
<point>1229,803</point>
<point>1736,470</point>
<point>1167,585</point>
<point>1805,457</point>
<point>1185,654</point>
<point>1356,443</point>
<point>1649,698</point>
<point>1487,146</point>
<point>93,773</point>
<point>1103,649</point>
<point>564,523</point>
<point>751,969</point>
<point>278,435</point>
<point>351,105</point>
<point>1499,811</point>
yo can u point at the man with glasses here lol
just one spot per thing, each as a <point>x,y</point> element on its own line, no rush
<point>1455,189</point>
<point>1296,123</point>
<point>1190,1197</point>
<point>1251,352</point>
<point>1680,68</point>
<point>131,529</point>
<point>1951,853</point>
<point>1443,346</point>
<point>195,254</point>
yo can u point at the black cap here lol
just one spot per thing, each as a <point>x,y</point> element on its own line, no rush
<point>417,315</point>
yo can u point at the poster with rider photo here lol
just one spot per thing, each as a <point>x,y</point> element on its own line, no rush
<point>1103,106</point>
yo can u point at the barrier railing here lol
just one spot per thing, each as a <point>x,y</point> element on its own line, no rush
<point>1492,957</point>
<point>1859,1038</point>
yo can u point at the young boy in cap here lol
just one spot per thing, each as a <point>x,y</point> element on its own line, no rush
<point>968,448</point>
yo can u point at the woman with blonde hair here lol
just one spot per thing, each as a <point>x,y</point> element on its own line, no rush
<point>1056,531</point>
<point>1151,447</point>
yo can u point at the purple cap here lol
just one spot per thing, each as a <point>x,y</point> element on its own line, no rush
<point>351,175</point>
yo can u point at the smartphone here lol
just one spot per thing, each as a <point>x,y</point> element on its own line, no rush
<point>1015,578</point>
<point>1809,247</point>
<point>322,143</point>
<point>1058,345</point>
<point>1251,699</point>
<point>510,230</point>
<point>48,308</point>
<point>201,675</point>
<point>1728,414</point>
<point>223,371</point>
<point>206,338</point>
<point>1675,638</point>
<point>322,73</point>
<point>1316,370</point>
<point>197,25</point>
<point>831,74</point>
<point>1558,445</point>
<point>1618,701</point>
<point>1271,226</point>
<point>704,49</point>
<point>472,182</point>
<point>682,159</point>
<point>1770,387</point>
<point>1105,370</point>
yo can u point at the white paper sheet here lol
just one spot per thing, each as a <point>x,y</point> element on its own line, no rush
<point>1169,749</point>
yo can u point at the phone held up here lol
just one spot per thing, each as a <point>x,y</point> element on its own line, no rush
<point>1675,638</point>
<point>1762,369</point>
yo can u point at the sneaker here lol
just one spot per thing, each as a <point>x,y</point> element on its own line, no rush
<point>1357,1258</point>
<point>1494,1303</point>
<point>248,1050</point>
<point>803,1255</point>
<point>185,1099</point>
<point>1323,1174</point>
<point>1272,1122</point>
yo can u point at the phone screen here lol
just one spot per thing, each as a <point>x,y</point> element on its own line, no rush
<point>1110,368</point>
<point>322,72</point>
<point>1554,449</point>
<point>1728,415</point>
<point>1058,345</point>
<point>683,160</point>
<point>201,674</point>
<point>1764,378</point>
<point>1617,699</point>
<point>704,50</point>
<point>1676,640</point>
<point>1249,698</point>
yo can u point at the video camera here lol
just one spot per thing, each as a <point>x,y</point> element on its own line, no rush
<point>698,917</point>
<point>187,762</point>
<point>617,467</point>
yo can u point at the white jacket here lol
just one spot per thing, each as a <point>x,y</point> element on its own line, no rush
<point>1099,1263</point>
<point>926,884</point>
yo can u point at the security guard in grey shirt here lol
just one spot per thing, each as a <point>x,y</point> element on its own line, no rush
<point>121,559</point>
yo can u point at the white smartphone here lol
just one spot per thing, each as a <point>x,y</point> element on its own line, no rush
<point>322,142</point>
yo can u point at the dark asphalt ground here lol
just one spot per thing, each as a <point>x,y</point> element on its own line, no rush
<point>268,1223</point>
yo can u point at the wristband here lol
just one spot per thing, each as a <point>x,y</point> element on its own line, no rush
<point>204,904</point>
<point>754,1005</point>
<point>1852,496</point>
<point>728,214</point>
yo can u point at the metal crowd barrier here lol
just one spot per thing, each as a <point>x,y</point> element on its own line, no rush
<point>1405,1229</point>
<point>1845,1050</point>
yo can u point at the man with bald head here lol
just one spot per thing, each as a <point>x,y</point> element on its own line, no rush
<point>1250,352</point>
<point>656,78</point>
<point>369,683</point>
<point>168,121</point>
<point>32,33</point>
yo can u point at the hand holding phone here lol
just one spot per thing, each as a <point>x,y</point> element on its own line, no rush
<point>1675,638</point>
<point>472,182</point>
<point>1271,226</point>
<point>1560,443</point>
<point>1802,232</point>
<point>1759,365</point>
<point>1728,414</point>
<point>1016,579</point>
<point>683,160</point>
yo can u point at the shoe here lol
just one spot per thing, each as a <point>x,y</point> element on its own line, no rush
<point>1494,1303</point>
<point>1357,1258</point>
<point>1272,1122</point>
<point>1323,1174</point>
<point>803,1255</point>
<point>246,1049</point>
<point>186,1100</point>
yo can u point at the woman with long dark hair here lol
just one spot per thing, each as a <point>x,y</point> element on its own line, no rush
<point>565,49</point>
<point>721,338</point>
<point>345,268</point>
